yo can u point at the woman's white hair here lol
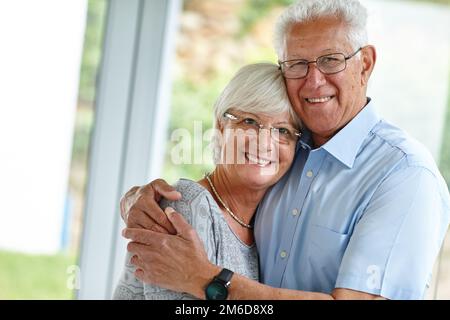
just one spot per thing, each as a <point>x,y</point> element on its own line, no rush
<point>350,12</point>
<point>256,88</point>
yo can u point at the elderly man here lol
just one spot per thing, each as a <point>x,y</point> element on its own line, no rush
<point>361,214</point>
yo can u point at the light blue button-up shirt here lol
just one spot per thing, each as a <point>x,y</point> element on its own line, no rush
<point>366,211</point>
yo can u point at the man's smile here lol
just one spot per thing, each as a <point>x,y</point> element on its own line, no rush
<point>321,99</point>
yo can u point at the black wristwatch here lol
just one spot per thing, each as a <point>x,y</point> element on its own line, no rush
<point>217,289</point>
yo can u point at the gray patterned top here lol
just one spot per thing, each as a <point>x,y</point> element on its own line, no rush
<point>222,246</point>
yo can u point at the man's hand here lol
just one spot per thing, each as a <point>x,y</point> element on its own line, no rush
<point>176,262</point>
<point>140,209</point>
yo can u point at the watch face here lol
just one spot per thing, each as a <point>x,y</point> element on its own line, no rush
<point>216,291</point>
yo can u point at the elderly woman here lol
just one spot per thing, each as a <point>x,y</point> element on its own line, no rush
<point>255,140</point>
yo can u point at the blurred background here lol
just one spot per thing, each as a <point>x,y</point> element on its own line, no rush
<point>55,61</point>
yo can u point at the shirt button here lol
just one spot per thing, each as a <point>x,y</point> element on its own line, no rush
<point>295,212</point>
<point>309,174</point>
<point>283,254</point>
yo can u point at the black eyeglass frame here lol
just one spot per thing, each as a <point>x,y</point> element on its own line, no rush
<point>280,63</point>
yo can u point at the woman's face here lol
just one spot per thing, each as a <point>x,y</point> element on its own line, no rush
<point>257,158</point>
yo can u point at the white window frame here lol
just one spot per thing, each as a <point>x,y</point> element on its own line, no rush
<point>128,141</point>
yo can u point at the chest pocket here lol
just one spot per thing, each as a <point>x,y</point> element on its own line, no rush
<point>325,252</point>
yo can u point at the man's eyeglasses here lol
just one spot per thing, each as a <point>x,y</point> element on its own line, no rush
<point>327,64</point>
<point>282,134</point>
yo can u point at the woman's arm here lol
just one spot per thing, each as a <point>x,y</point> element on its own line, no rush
<point>242,288</point>
<point>184,266</point>
<point>202,223</point>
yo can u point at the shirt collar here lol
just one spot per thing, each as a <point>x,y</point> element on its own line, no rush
<point>345,145</point>
<point>305,140</point>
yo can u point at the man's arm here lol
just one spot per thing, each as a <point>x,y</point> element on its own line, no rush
<point>174,262</point>
<point>139,207</point>
<point>395,243</point>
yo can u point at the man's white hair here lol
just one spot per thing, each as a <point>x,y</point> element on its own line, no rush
<point>256,88</point>
<point>351,12</point>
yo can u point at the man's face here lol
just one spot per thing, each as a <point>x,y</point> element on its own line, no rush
<point>326,103</point>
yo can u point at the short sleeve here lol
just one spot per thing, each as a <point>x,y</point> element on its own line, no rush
<point>395,243</point>
<point>196,210</point>
<point>129,287</point>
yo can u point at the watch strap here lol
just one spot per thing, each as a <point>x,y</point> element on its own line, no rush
<point>225,276</point>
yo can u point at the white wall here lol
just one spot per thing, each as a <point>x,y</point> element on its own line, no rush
<point>411,77</point>
<point>40,53</point>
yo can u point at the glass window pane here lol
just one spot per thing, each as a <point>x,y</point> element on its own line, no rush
<point>46,117</point>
